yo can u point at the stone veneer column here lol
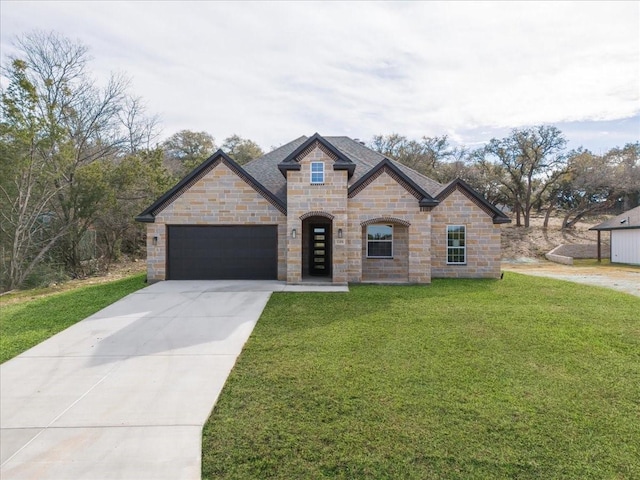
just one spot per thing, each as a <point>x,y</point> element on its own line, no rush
<point>156,254</point>
<point>339,249</point>
<point>420,249</point>
<point>294,250</point>
<point>329,198</point>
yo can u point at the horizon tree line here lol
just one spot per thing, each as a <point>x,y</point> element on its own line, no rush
<point>78,161</point>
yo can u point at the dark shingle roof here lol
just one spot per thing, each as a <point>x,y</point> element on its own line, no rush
<point>264,175</point>
<point>626,220</point>
<point>265,168</point>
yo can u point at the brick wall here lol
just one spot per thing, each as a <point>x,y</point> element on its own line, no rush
<point>483,239</point>
<point>385,199</point>
<point>219,198</point>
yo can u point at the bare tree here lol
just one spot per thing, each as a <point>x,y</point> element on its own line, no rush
<point>425,155</point>
<point>56,124</point>
<point>27,185</point>
<point>141,129</point>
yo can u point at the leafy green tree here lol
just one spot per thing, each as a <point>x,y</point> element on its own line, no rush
<point>134,183</point>
<point>27,180</point>
<point>598,183</point>
<point>58,129</point>
<point>186,149</point>
<point>533,160</point>
<point>242,150</point>
<point>626,164</point>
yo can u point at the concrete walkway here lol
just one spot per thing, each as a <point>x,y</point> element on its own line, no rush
<point>124,393</point>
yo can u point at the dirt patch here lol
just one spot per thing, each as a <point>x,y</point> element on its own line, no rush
<point>523,251</point>
<point>533,242</point>
<point>621,278</point>
<point>116,272</point>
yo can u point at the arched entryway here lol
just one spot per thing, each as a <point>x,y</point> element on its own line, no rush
<point>317,251</point>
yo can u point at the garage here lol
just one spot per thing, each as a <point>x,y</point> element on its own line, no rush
<point>222,252</point>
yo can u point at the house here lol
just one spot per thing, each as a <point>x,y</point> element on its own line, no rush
<point>320,207</point>
<point>624,237</point>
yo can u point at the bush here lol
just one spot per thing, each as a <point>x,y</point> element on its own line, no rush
<point>44,275</point>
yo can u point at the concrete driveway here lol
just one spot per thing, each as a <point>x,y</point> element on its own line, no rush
<point>124,393</point>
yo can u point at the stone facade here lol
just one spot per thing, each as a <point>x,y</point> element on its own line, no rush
<point>385,201</point>
<point>483,239</point>
<point>327,200</point>
<point>394,269</point>
<point>219,198</point>
<point>220,192</point>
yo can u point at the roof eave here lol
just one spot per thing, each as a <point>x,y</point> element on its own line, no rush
<point>429,202</point>
<point>426,200</point>
<point>285,167</point>
<point>148,212</point>
<point>316,137</point>
<point>148,216</point>
<point>498,215</point>
<point>608,229</point>
<point>349,167</point>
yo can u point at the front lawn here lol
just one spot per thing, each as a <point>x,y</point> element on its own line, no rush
<point>521,378</point>
<point>26,322</point>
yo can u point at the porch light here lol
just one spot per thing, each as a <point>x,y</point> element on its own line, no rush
<point>155,240</point>
<point>339,233</point>
<point>293,233</point>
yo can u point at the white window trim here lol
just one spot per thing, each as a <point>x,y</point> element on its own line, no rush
<point>389,241</point>
<point>463,247</point>
<point>312,172</point>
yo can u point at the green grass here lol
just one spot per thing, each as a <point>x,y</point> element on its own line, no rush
<point>29,322</point>
<point>520,378</point>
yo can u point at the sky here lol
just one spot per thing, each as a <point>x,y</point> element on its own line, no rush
<point>273,71</point>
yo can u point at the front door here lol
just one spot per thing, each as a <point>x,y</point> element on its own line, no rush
<point>320,249</point>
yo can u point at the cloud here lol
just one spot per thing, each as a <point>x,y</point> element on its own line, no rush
<point>273,71</point>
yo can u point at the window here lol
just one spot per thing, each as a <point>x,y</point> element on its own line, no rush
<point>456,244</point>
<point>380,241</point>
<point>317,172</point>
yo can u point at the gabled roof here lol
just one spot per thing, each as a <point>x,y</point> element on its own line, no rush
<point>625,221</point>
<point>265,168</point>
<point>150,213</point>
<point>361,163</point>
<point>341,161</point>
<point>392,169</point>
<point>458,183</point>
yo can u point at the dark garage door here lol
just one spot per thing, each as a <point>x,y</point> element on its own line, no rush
<point>222,252</point>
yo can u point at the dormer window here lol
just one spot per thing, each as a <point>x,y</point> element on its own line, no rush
<point>317,172</point>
